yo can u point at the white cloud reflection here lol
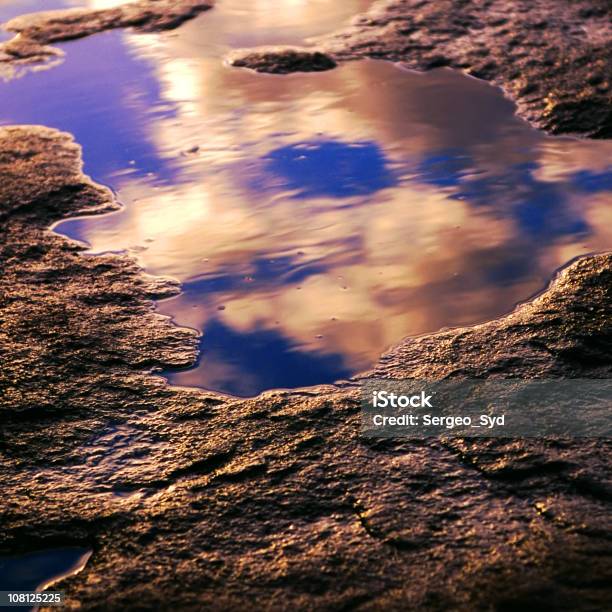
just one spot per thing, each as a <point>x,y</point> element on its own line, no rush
<point>477,212</point>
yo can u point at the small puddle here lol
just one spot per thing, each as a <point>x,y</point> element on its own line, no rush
<point>314,219</point>
<point>37,571</point>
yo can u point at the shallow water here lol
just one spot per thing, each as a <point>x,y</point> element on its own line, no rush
<point>315,220</point>
<point>36,571</point>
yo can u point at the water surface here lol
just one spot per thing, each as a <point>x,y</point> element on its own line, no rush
<point>315,219</point>
<point>38,570</point>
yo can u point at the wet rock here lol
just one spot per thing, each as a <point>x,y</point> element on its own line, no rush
<point>282,60</point>
<point>191,499</point>
<point>554,59</point>
<point>37,30</point>
<point>24,50</point>
<point>73,314</point>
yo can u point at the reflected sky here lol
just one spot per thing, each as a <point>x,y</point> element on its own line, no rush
<point>317,219</point>
<point>35,571</point>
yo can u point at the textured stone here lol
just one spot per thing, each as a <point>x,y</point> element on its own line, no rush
<point>282,60</point>
<point>190,499</point>
<point>37,30</point>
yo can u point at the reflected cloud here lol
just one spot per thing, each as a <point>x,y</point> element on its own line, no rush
<point>318,219</point>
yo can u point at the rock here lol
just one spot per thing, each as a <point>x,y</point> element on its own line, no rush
<point>282,60</point>
<point>37,30</point>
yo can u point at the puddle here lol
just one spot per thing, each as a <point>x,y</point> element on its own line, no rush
<point>315,220</point>
<point>37,571</point>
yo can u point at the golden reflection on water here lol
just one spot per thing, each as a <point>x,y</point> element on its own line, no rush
<point>473,213</point>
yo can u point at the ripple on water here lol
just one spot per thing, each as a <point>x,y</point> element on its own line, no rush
<point>314,219</point>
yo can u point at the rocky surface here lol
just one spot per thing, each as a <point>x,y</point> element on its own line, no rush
<point>35,32</point>
<point>283,60</point>
<point>553,58</point>
<point>194,500</point>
